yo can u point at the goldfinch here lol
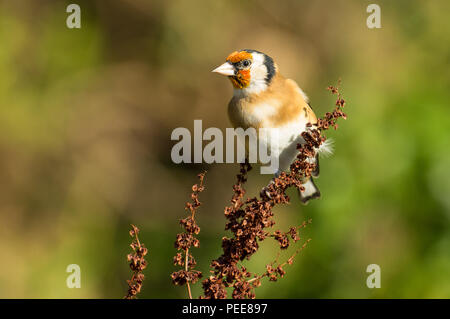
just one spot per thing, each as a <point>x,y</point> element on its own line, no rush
<point>263,98</point>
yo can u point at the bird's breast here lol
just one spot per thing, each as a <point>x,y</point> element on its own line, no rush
<point>257,115</point>
<point>266,115</point>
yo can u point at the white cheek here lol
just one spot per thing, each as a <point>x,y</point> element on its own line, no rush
<point>258,74</point>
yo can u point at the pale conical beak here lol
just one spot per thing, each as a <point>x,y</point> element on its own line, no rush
<point>225,69</point>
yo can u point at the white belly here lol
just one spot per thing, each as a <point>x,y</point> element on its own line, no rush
<point>280,142</point>
<point>283,142</point>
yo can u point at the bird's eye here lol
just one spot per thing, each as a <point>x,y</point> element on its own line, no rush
<point>246,63</point>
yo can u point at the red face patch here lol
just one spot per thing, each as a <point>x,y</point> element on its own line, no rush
<point>242,78</point>
<point>238,56</point>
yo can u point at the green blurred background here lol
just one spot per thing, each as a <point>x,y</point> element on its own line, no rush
<point>85,122</point>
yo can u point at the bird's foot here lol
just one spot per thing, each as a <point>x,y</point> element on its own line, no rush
<point>265,190</point>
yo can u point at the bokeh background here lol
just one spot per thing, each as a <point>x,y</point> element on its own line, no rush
<point>85,122</point>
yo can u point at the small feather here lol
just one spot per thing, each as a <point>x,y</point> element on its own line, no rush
<point>327,148</point>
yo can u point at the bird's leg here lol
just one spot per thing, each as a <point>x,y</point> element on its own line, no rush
<point>265,189</point>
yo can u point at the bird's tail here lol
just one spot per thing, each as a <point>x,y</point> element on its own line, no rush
<point>311,191</point>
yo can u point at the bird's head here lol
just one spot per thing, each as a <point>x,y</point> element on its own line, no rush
<point>248,70</point>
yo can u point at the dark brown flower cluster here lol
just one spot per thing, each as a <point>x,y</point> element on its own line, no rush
<point>137,264</point>
<point>249,219</point>
<point>186,240</point>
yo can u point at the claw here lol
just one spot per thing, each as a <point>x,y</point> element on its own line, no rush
<point>266,191</point>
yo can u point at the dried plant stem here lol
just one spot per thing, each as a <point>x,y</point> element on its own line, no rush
<point>186,240</point>
<point>137,264</point>
<point>186,269</point>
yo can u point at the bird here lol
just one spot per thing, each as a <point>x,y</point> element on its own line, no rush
<point>263,98</point>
